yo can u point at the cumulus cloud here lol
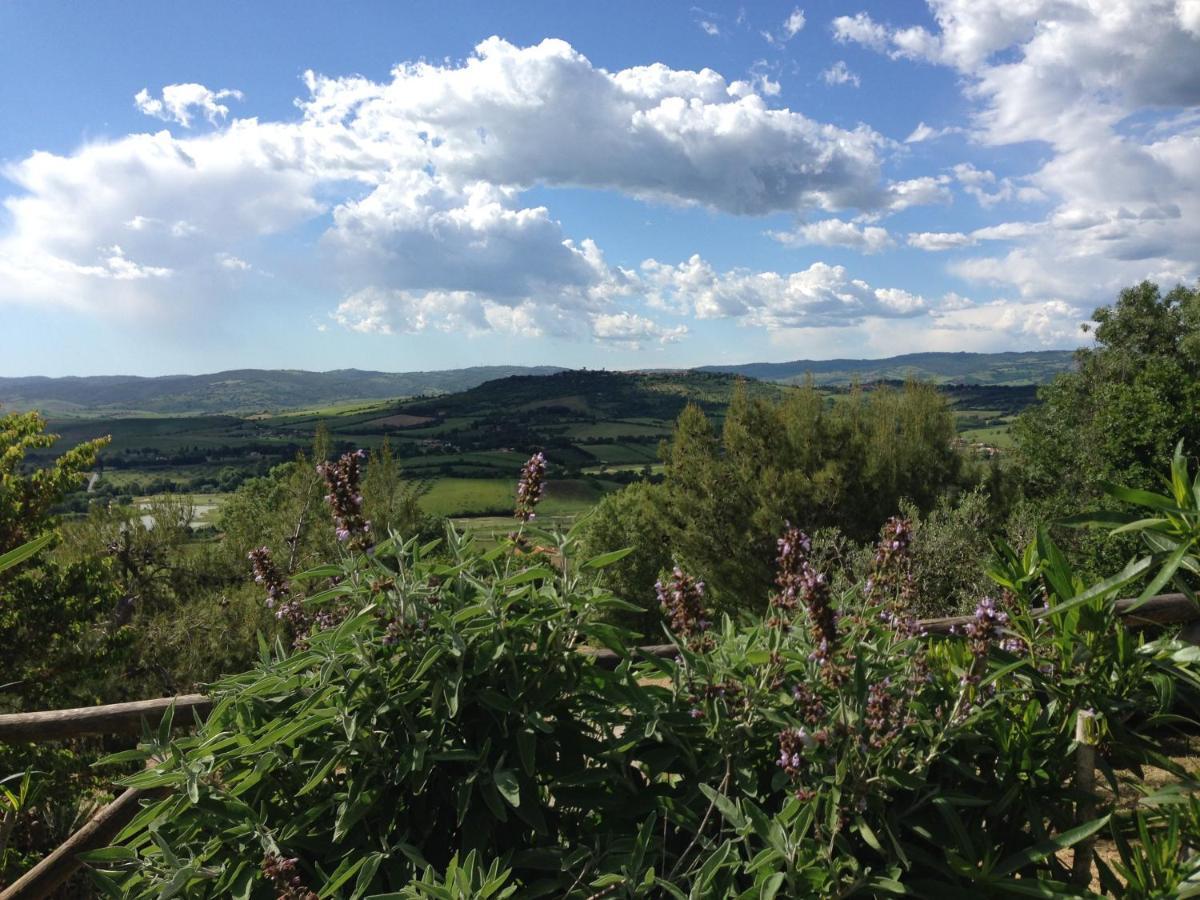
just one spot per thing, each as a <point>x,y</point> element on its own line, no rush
<point>860,29</point>
<point>923,191</point>
<point>839,73</point>
<point>422,178</point>
<point>1106,86</point>
<point>958,324</point>
<point>632,331</point>
<point>819,296</point>
<point>837,233</point>
<point>179,102</point>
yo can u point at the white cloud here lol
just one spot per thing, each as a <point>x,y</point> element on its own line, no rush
<point>760,78</point>
<point>709,28</point>
<point>794,23</point>
<point>631,331</point>
<point>925,132</point>
<point>791,27</point>
<point>836,233</point>
<point>232,263</point>
<point>1105,86</point>
<point>179,102</point>
<point>860,29</point>
<point>939,240</point>
<point>422,176</point>
<point>923,191</point>
<point>819,296</point>
<point>958,324</point>
<point>839,73</point>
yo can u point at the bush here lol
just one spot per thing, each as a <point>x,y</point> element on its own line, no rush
<point>951,549</point>
<point>437,732</point>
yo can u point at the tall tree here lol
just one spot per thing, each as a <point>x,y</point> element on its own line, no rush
<point>805,460</point>
<point>1133,396</point>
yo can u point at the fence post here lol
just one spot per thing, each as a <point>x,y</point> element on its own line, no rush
<point>1086,736</point>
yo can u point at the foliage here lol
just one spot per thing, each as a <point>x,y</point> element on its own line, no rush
<point>438,733</point>
<point>391,502</point>
<point>53,618</point>
<point>802,461</point>
<point>634,517</point>
<point>48,611</point>
<point>1169,525</point>
<point>1117,418</point>
<point>951,549</point>
<point>26,498</point>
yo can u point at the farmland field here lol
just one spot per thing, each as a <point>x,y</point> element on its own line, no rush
<point>600,430</point>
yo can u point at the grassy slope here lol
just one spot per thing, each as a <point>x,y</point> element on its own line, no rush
<point>466,448</point>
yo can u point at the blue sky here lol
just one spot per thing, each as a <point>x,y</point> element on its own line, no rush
<point>193,187</point>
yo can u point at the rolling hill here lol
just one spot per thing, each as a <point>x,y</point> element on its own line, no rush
<point>237,391</point>
<point>1035,367</point>
<point>258,391</point>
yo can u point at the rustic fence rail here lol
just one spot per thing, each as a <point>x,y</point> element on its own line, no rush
<point>124,718</point>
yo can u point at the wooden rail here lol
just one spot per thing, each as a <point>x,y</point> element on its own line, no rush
<point>113,718</point>
<point>121,718</point>
<point>53,871</point>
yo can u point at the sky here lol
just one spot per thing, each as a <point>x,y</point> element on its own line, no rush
<point>428,185</point>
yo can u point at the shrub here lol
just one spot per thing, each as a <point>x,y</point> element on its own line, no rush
<point>436,731</point>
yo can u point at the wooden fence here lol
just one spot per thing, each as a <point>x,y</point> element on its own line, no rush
<point>129,718</point>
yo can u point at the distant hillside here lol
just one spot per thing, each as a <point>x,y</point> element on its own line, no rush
<point>237,391</point>
<point>250,391</point>
<point>1037,367</point>
<point>595,394</point>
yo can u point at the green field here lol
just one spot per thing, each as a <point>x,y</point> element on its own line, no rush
<point>598,429</point>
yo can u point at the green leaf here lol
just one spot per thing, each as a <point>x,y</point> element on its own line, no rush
<point>526,747</point>
<point>525,576</point>
<point>342,874</point>
<point>607,559</point>
<point>1042,849</point>
<point>771,886</point>
<point>725,806</point>
<point>1108,586</point>
<point>122,757</point>
<point>108,855</point>
<point>1141,498</point>
<point>1099,518</point>
<point>1170,567</point>
<point>508,785</point>
<point>20,554</point>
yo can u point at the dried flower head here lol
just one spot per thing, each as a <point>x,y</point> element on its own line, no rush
<point>809,704</point>
<point>985,626</point>
<point>793,744</point>
<point>342,481</point>
<point>530,487</point>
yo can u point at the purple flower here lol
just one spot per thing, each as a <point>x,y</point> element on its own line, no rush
<point>530,487</point>
<point>682,599</point>
<point>345,499</point>
<point>267,574</point>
